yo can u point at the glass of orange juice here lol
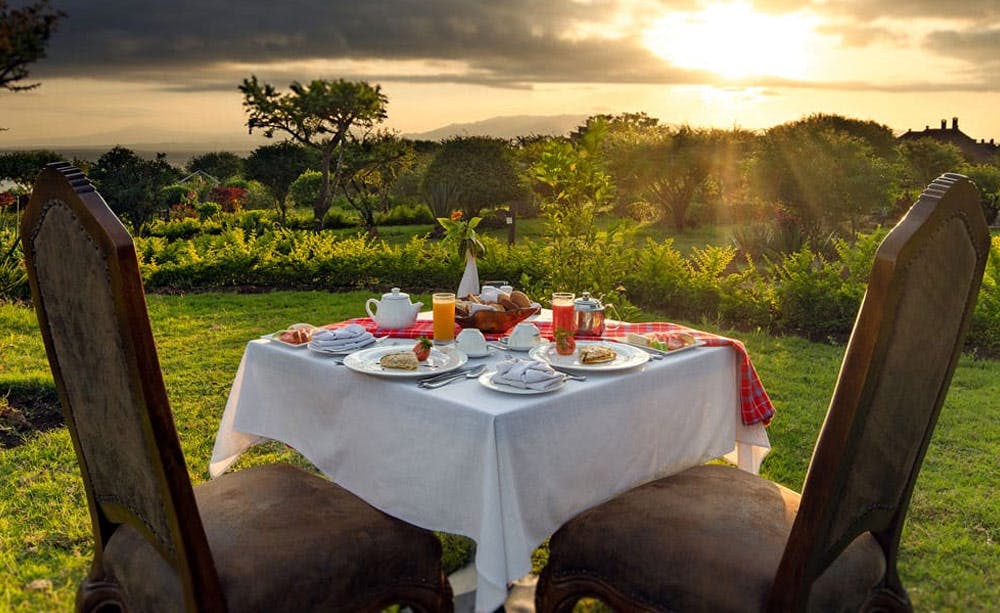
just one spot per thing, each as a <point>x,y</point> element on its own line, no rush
<point>444,318</point>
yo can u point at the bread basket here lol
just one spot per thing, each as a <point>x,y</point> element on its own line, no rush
<point>496,322</point>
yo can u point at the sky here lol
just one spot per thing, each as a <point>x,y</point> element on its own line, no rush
<point>169,70</point>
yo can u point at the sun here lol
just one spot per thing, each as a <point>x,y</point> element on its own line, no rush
<point>734,41</point>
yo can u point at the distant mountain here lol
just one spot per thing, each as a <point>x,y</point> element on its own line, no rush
<point>506,127</point>
<point>181,146</point>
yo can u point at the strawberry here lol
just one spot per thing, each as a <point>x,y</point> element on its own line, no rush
<point>565,343</point>
<point>422,348</point>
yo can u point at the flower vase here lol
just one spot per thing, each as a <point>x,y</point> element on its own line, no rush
<point>470,278</point>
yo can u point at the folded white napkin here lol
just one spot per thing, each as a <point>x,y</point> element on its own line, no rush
<point>489,294</point>
<point>475,307</point>
<point>527,374</point>
<point>351,336</point>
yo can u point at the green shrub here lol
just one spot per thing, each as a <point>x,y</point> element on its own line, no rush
<point>812,299</point>
<point>984,335</point>
<point>405,215</point>
<point>13,279</point>
<point>338,217</point>
<point>208,210</point>
<point>175,229</point>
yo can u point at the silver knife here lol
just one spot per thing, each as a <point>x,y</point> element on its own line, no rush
<point>656,354</point>
<point>445,375</point>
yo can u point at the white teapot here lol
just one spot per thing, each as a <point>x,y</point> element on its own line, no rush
<point>394,310</point>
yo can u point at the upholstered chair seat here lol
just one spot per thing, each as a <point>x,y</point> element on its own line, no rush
<point>284,540</point>
<point>721,558</point>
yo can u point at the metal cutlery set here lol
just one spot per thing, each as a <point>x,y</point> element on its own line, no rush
<point>471,372</point>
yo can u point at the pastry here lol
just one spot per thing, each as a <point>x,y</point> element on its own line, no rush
<point>296,336</point>
<point>596,354</point>
<point>403,360</point>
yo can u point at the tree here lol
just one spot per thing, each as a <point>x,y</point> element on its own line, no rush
<point>878,136</point>
<point>24,166</point>
<point>478,172</point>
<point>24,34</point>
<point>926,159</point>
<point>671,168</point>
<point>987,179</point>
<point>277,166</point>
<point>131,184</point>
<point>370,169</point>
<point>821,178</point>
<point>320,116</point>
<point>220,164</point>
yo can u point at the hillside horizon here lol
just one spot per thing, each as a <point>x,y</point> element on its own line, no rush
<point>181,146</point>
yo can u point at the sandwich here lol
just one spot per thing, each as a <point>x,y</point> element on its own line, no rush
<point>404,360</point>
<point>596,354</point>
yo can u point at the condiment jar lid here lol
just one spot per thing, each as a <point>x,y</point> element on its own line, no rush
<point>586,303</point>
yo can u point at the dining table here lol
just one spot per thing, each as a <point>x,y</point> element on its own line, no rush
<point>504,469</point>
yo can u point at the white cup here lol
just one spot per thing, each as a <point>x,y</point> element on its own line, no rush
<point>471,341</point>
<point>525,336</point>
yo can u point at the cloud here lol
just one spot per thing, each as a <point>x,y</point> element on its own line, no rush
<point>975,46</point>
<point>503,43</point>
<point>188,45</point>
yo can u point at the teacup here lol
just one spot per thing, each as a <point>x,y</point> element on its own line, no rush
<point>524,336</point>
<point>472,342</point>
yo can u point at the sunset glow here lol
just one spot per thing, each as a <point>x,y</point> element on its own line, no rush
<point>733,41</point>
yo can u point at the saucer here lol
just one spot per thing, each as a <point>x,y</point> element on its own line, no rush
<point>506,345</point>
<point>481,354</point>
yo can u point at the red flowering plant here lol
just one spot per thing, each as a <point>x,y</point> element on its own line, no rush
<point>462,234</point>
<point>229,198</point>
<point>7,199</point>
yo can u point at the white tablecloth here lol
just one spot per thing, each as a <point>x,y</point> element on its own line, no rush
<point>505,470</point>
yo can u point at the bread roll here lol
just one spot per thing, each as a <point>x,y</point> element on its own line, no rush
<point>508,304</point>
<point>520,299</point>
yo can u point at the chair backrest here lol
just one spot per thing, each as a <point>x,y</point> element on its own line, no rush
<point>88,296</point>
<point>899,361</point>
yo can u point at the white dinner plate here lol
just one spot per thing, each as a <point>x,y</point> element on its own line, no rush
<point>366,361</point>
<point>274,336</point>
<point>628,357</point>
<point>486,380</point>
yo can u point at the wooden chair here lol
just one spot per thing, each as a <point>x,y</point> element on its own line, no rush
<point>714,538</point>
<point>270,538</point>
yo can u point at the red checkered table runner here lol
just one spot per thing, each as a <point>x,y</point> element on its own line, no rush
<point>755,405</point>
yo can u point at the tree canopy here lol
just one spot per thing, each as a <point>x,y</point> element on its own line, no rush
<point>24,166</point>
<point>478,171</point>
<point>277,166</point>
<point>24,35</point>
<point>821,178</point>
<point>320,115</point>
<point>131,184</point>
<point>220,164</point>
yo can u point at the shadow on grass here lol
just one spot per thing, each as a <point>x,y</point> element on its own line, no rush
<point>27,409</point>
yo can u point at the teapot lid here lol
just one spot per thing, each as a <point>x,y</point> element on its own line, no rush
<point>586,303</point>
<point>395,294</point>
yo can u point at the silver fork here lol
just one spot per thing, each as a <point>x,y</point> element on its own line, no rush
<point>472,373</point>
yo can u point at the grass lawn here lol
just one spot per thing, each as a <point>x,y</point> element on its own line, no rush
<point>951,544</point>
